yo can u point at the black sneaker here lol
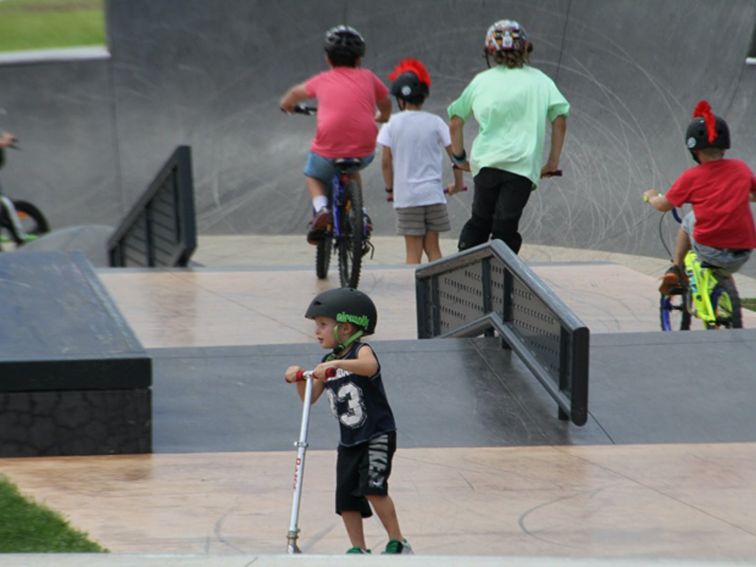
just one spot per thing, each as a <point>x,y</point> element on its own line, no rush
<point>318,226</point>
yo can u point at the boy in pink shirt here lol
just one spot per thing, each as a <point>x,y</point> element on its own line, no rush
<point>350,101</point>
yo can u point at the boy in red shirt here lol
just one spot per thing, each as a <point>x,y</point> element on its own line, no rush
<point>348,96</point>
<point>720,228</point>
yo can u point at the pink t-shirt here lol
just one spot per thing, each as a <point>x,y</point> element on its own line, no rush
<point>347,98</point>
<point>719,192</point>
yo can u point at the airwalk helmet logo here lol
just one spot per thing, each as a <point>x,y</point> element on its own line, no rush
<point>359,320</point>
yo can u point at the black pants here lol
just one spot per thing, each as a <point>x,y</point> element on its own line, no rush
<point>498,202</point>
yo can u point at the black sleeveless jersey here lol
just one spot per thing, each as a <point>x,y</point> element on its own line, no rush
<point>359,403</point>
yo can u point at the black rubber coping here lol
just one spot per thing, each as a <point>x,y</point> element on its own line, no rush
<point>695,387</point>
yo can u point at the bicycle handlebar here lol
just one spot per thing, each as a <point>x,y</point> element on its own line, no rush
<point>307,374</point>
<point>305,109</point>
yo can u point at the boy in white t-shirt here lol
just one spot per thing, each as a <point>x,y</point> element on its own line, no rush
<point>413,142</point>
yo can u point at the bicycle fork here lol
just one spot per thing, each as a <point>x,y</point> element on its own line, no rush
<point>15,224</point>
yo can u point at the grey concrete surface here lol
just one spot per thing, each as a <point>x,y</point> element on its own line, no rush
<point>167,560</point>
<point>210,75</point>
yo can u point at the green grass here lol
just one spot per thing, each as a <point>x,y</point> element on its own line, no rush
<point>29,527</point>
<point>749,303</point>
<point>47,24</point>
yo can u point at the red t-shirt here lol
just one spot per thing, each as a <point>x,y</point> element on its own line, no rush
<point>347,98</point>
<point>719,192</point>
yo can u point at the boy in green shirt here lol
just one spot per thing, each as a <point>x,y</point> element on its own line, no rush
<point>512,103</point>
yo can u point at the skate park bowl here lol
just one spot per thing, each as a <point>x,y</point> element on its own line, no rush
<point>626,67</point>
<point>662,470</point>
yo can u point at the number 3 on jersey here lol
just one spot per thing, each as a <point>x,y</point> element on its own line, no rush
<point>349,400</point>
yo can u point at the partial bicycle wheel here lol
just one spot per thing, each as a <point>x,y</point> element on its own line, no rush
<point>33,222</point>
<point>725,302</point>
<point>675,312</point>
<point>352,231</point>
<point>323,256</point>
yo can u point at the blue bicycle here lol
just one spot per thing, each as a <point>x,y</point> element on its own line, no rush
<point>348,234</point>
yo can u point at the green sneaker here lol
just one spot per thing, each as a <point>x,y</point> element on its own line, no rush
<point>396,547</point>
<point>356,549</point>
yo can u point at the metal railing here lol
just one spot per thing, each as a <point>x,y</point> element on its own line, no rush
<point>161,228</point>
<point>488,288</point>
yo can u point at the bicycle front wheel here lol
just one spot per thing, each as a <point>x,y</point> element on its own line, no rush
<point>351,239</point>
<point>33,222</point>
<point>675,312</point>
<point>725,302</point>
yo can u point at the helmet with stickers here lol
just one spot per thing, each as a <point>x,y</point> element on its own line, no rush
<point>506,35</point>
<point>706,130</point>
<point>345,305</point>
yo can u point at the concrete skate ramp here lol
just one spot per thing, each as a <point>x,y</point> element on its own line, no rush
<point>465,393</point>
<point>210,75</point>
<point>90,240</point>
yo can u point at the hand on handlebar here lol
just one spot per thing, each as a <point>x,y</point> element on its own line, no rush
<point>321,372</point>
<point>8,140</point>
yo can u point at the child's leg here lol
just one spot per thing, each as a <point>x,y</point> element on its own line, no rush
<point>682,245</point>
<point>414,247</point>
<point>353,524</point>
<point>431,245</point>
<point>384,507</point>
<point>317,190</point>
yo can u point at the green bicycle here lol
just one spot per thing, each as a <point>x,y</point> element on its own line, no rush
<point>709,295</point>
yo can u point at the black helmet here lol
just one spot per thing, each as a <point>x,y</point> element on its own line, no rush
<point>408,87</point>
<point>344,40</point>
<point>345,305</point>
<point>706,130</point>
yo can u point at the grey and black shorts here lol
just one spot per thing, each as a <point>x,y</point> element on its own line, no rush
<point>361,470</point>
<point>416,221</point>
<point>727,259</point>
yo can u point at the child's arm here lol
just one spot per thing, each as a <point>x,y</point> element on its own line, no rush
<point>458,154</point>
<point>459,182</point>
<point>657,200</point>
<point>387,168</point>
<point>364,365</point>
<point>558,132</point>
<point>384,110</point>
<point>291,377</point>
<point>295,94</point>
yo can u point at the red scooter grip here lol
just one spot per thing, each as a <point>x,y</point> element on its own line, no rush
<point>330,373</point>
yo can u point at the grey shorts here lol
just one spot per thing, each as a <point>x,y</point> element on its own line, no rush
<point>728,259</point>
<point>416,221</point>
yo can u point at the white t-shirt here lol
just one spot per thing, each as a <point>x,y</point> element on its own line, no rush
<point>417,140</point>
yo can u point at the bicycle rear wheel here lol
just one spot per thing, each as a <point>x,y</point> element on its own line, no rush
<point>725,302</point>
<point>33,222</point>
<point>323,256</point>
<point>351,239</point>
<point>675,312</point>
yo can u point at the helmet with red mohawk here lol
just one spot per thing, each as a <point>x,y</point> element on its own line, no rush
<point>706,130</point>
<point>411,81</point>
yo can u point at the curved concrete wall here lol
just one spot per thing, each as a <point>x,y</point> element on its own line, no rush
<point>210,74</point>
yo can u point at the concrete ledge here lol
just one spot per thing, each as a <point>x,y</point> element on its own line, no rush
<point>54,55</point>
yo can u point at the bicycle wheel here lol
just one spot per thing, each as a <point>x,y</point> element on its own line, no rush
<point>323,256</point>
<point>675,312</point>
<point>350,241</point>
<point>33,222</point>
<point>725,302</point>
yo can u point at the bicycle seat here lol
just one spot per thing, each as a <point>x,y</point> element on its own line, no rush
<point>347,164</point>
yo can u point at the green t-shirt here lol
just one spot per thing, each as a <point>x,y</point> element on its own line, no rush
<point>512,108</point>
